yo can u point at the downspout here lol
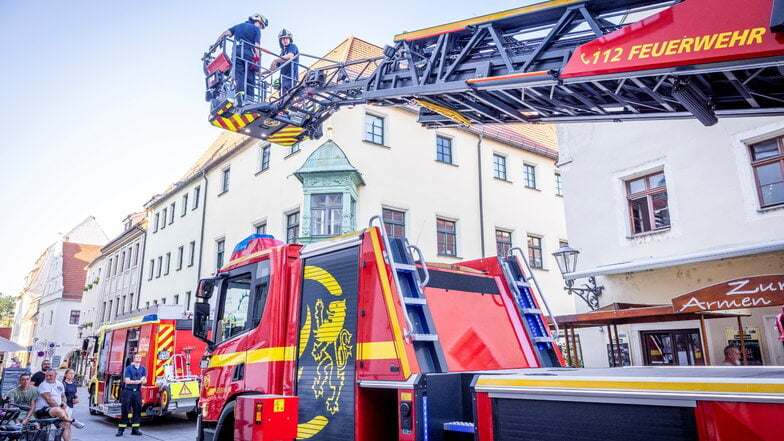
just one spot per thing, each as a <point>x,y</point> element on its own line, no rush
<point>201,235</point>
<point>141,267</point>
<point>481,198</point>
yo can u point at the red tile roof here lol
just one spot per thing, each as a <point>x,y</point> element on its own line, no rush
<point>76,256</point>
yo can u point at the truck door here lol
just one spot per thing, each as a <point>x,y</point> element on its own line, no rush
<point>228,364</point>
<point>116,363</point>
<point>328,344</point>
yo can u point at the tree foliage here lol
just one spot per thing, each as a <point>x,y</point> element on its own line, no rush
<point>7,309</point>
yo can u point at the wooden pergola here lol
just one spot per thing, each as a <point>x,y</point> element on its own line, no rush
<point>615,314</point>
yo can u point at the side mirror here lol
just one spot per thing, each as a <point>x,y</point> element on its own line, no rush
<point>201,321</point>
<point>206,287</point>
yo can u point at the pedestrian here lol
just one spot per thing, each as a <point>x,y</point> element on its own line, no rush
<point>288,51</point>
<point>731,356</point>
<point>15,363</point>
<point>51,404</point>
<point>131,396</point>
<point>246,52</point>
<point>24,394</point>
<point>28,371</point>
<point>70,391</point>
<point>39,376</point>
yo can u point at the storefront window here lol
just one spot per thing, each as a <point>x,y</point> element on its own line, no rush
<point>680,347</point>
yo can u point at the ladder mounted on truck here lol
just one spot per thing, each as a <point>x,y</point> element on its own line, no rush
<point>556,61</point>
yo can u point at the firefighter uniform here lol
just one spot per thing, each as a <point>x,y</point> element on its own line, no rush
<point>131,399</point>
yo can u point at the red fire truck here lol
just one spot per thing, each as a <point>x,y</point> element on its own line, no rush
<point>169,352</point>
<point>354,339</point>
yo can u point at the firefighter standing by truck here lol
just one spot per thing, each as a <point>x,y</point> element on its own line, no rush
<point>134,377</point>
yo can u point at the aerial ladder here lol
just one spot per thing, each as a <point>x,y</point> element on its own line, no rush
<point>556,61</point>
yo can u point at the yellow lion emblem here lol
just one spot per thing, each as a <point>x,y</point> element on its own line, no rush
<point>332,350</point>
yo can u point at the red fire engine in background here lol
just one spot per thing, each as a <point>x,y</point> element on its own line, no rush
<point>169,352</point>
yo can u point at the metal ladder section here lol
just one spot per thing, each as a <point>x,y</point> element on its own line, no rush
<point>533,320</point>
<point>421,327</point>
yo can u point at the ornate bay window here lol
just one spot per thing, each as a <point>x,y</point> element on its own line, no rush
<point>329,185</point>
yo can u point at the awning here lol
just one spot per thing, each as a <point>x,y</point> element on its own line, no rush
<point>615,314</point>
<point>629,313</point>
<point>7,345</point>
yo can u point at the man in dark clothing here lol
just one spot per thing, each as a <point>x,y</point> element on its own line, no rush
<point>39,376</point>
<point>288,50</point>
<point>131,396</point>
<point>246,55</point>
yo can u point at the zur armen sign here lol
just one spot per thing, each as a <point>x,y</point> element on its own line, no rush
<point>747,292</point>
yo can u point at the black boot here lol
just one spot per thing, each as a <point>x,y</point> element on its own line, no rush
<point>119,432</point>
<point>136,431</point>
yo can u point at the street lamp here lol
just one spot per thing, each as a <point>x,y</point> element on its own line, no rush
<point>566,258</point>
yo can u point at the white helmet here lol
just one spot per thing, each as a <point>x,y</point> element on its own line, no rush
<point>259,18</point>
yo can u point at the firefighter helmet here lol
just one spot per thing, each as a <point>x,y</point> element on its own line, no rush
<point>259,18</point>
<point>285,33</point>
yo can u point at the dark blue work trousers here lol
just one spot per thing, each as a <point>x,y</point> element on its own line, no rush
<point>131,403</point>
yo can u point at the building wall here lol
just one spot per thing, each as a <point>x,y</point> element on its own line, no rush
<point>713,206</point>
<point>91,305</point>
<point>712,199</point>
<point>401,174</point>
<point>119,290</point>
<point>162,240</point>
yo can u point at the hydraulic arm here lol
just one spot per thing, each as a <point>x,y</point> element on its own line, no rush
<point>557,61</point>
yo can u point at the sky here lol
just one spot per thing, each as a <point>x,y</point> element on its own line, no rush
<point>102,102</point>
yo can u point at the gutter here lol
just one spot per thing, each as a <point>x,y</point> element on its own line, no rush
<point>685,259</point>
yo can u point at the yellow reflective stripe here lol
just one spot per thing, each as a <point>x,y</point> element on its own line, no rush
<point>647,384</point>
<point>390,303</point>
<point>380,350</point>
<point>164,342</point>
<point>482,19</point>
<point>286,353</point>
<point>280,353</point>
<point>376,350</point>
<point>229,359</point>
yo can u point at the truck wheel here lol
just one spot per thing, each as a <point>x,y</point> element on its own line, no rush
<point>91,402</point>
<point>192,415</point>
<point>224,431</point>
<point>165,399</point>
<point>199,428</point>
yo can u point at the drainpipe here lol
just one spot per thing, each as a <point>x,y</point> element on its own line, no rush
<point>481,198</point>
<point>201,236</point>
<point>141,267</point>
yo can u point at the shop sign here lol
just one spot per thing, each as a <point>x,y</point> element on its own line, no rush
<point>747,292</point>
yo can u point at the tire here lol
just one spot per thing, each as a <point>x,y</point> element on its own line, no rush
<point>199,428</point>
<point>192,415</point>
<point>91,402</point>
<point>224,431</point>
<point>165,399</point>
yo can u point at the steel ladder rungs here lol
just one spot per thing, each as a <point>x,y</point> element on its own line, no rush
<point>460,426</point>
<point>424,337</point>
<point>542,339</point>
<point>405,267</point>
